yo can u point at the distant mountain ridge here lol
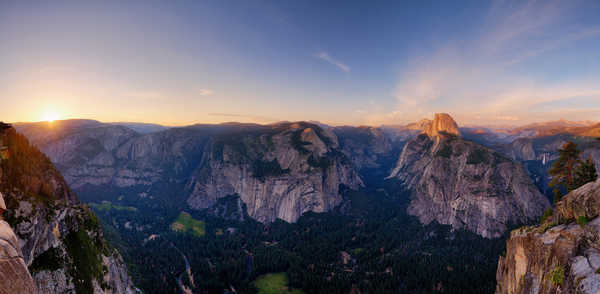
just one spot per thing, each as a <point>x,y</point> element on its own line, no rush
<point>547,128</point>
<point>202,163</point>
<point>142,128</point>
<point>541,129</point>
<point>208,162</point>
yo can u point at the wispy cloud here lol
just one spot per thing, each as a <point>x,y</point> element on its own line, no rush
<point>326,57</point>
<point>204,92</point>
<point>154,95</point>
<point>490,77</point>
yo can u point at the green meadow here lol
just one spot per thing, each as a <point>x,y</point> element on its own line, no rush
<point>186,223</point>
<point>276,283</point>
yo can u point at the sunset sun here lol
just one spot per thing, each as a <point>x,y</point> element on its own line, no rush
<point>50,116</point>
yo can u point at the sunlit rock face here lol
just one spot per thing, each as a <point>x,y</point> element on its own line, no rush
<point>442,124</point>
<point>560,255</point>
<point>14,275</point>
<point>463,184</point>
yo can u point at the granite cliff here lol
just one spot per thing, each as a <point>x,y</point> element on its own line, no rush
<point>442,124</point>
<point>285,169</point>
<point>562,254</point>
<point>366,147</point>
<point>60,239</point>
<point>538,153</point>
<point>466,185</point>
<point>279,172</point>
<point>14,275</point>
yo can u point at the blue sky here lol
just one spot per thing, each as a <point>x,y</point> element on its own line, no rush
<point>340,62</point>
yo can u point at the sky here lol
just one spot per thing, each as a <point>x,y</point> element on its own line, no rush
<point>338,62</point>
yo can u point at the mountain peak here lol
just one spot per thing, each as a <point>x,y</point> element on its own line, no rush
<point>442,124</point>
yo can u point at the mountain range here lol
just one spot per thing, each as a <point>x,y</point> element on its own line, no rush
<point>139,178</point>
<point>285,169</point>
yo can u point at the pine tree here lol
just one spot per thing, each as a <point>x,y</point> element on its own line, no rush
<point>563,169</point>
<point>557,195</point>
<point>585,173</point>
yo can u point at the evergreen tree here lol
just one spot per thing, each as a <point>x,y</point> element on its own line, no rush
<point>585,173</point>
<point>557,195</point>
<point>563,169</point>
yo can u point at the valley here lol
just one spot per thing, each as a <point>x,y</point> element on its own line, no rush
<point>299,147</point>
<point>337,209</point>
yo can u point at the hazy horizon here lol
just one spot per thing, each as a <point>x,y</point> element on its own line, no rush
<point>499,126</point>
<point>340,63</point>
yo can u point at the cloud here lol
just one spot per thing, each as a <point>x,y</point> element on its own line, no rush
<point>489,77</point>
<point>325,56</point>
<point>153,96</point>
<point>204,92</point>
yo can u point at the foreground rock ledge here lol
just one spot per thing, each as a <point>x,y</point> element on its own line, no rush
<point>562,255</point>
<point>14,276</point>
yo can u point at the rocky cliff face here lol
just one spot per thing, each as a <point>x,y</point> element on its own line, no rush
<point>366,147</point>
<point>562,254</point>
<point>546,148</point>
<point>521,149</point>
<point>538,153</point>
<point>93,153</point>
<point>60,239</point>
<point>442,124</point>
<point>87,152</point>
<point>280,172</point>
<point>14,275</point>
<point>402,133</point>
<point>466,185</point>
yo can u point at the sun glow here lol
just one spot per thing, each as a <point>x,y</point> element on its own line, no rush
<point>50,116</point>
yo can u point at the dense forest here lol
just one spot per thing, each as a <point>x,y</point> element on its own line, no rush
<point>368,243</point>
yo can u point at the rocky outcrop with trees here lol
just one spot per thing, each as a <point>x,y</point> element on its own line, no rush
<point>61,242</point>
<point>561,254</point>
